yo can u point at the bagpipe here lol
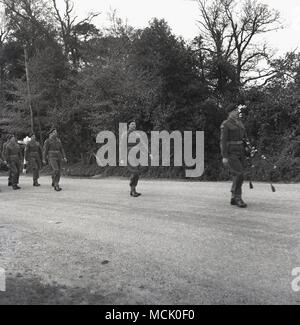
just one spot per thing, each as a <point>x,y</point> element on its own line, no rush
<point>253,152</point>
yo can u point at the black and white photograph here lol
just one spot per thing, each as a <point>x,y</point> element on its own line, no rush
<point>150,155</point>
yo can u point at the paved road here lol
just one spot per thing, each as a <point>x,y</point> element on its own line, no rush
<point>180,243</point>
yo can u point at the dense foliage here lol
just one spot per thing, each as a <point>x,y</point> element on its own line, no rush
<point>83,80</point>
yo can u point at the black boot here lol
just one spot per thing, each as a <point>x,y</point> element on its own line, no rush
<point>233,201</point>
<point>36,184</point>
<point>10,184</point>
<point>133,192</point>
<point>57,188</point>
<point>240,203</point>
<point>16,187</point>
<point>138,194</point>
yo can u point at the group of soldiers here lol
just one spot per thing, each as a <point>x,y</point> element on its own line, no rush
<point>232,143</point>
<point>52,153</point>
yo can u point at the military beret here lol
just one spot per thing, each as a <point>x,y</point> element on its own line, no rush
<point>131,121</point>
<point>10,135</point>
<point>52,130</point>
<point>230,107</point>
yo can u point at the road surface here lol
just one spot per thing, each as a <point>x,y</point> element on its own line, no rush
<point>180,243</point>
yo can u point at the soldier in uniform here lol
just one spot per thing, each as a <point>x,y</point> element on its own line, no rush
<point>233,134</point>
<point>54,153</point>
<point>4,158</point>
<point>135,171</point>
<point>33,157</point>
<point>13,157</point>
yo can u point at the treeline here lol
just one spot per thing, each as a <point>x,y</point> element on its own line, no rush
<point>58,71</point>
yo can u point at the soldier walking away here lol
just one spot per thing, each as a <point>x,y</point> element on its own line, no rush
<point>34,157</point>
<point>13,157</point>
<point>233,134</point>
<point>54,153</point>
<point>4,158</point>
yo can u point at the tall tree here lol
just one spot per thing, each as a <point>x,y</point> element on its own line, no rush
<point>3,36</point>
<point>30,25</point>
<point>168,58</point>
<point>70,30</point>
<point>231,36</point>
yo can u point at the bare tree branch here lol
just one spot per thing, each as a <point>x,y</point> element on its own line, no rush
<point>229,30</point>
<point>68,24</point>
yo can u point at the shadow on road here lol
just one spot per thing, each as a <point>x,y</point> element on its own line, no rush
<point>21,291</point>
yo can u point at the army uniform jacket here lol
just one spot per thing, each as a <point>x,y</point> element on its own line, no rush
<point>13,152</point>
<point>4,150</point>
<point>233,134</point>
<point>34,151</point>
<point>53,149</point>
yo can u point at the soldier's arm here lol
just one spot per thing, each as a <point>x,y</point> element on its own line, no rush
<point>45,150</point>
<point>145,147</point>
<point>40,152</point>
<point>224,141</point>
<point>62,151</point>
<point>142,143</point>
<point>7,154</point>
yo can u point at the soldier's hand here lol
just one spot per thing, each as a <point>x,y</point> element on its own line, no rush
<point>44,162</point>
<point>225,161</point>
<point>65,160</point>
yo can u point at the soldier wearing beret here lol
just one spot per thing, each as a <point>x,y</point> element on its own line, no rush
<point>13,157</point>
<point>54,153</point>
<point>135,171</point>
<point>233,134</point>
<point>34,156</point>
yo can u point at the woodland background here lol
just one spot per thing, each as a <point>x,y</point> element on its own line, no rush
<point>58,70</point>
